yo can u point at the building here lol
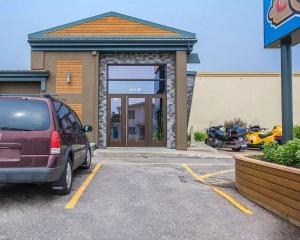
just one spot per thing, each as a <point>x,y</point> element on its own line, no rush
<point>253,97</point>
<point>124,76</point>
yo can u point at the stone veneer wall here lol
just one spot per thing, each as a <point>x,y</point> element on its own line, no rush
<point>191,78</point>
<point>137,58</point>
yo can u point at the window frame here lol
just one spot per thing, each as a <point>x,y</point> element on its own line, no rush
<point>132,130</point>
<point>131,114</point>
<point>164,80</point>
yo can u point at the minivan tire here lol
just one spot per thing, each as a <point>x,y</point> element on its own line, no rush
<point>88,160</point>
<point>64,185</point>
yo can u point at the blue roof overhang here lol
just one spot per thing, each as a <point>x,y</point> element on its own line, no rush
<point>25,76</point>
<point>112,44</point>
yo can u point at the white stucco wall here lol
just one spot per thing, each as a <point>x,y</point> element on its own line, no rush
<point>253,97</point>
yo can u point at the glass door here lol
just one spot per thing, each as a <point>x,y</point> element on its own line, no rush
<point>116,118</point>
<point>137,121</point>
<point>137,105</point>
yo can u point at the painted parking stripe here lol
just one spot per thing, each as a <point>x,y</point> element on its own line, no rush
<point>219,191</point>
<point>214,174</point>
<point>231,200</point>
<point>72,203</point>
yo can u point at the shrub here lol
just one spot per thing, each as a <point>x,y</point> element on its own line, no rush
<point>269,150</point>
<point>297,131</point>
<point>200,136</point>
<point>288,154</point>
<point>235,122</point>
<point>298,156</point>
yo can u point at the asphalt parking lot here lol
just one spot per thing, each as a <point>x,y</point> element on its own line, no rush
<point>141,198</point>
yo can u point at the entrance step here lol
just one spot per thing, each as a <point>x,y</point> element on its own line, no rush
<point>158,152</point>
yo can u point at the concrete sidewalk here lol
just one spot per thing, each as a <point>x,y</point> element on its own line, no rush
<point>200,151</point>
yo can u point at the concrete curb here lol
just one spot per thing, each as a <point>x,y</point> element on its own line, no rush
<point>166,154</point>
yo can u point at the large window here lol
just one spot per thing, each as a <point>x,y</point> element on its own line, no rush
<point>24,115</point>
<point>136,79</point>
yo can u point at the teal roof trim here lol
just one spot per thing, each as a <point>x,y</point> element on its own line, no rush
<point>25,76</point>
<point>192,73</point>
<point>193,58</point>
<point>181,34</point>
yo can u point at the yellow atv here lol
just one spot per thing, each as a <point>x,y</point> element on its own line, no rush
<point>258,136</point>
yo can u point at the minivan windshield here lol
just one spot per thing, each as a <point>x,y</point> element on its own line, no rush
<point>24,115</point>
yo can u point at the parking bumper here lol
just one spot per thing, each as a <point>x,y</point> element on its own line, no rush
<point>30,175</point>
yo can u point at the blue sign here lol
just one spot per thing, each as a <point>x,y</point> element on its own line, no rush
<point>281,19</point>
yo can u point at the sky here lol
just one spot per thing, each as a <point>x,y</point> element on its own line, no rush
<point>230,32</point>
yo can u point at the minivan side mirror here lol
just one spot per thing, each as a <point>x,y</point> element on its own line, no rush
<point>87,128</point>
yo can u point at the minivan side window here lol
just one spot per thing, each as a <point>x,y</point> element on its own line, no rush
<point>63,116</point>
<point>75,121</point>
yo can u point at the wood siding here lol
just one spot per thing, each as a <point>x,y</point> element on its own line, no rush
<point>111,26</point>
<point>62,70</point>
<point>274,187</point>
<point>20,87</point>
<point>78,109</point>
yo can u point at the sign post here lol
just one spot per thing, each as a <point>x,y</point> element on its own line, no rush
<point>287,89</point>
<point>282,30</point>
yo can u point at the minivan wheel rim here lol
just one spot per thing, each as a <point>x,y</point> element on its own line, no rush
<point>69,175</point>
<point>88,158</point>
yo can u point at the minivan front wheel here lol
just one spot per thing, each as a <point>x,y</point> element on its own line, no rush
<point>64,185</point>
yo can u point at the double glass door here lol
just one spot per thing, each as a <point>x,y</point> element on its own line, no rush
<point>136,121</point>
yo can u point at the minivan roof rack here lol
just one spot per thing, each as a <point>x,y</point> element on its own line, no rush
<point>45,95</point>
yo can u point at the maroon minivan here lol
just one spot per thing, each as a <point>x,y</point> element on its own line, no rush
<point>41,141</point>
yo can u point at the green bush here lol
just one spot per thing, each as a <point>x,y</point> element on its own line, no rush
<point>200,136</point>
<point>298,156</point>
<point>297,131</point>
<point>288,154</point>
<point>269,150</point>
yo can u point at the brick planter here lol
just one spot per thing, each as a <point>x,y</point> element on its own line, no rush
<point>272,186</point>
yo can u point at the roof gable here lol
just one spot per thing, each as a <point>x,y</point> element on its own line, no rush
<point>112,32</point>
<point>112,24</point>
<point>109,26</point>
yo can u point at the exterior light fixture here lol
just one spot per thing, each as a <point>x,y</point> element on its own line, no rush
<point>69,77</point>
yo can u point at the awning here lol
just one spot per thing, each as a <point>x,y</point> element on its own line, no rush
<point>25,76</point>
<point>193,58</point>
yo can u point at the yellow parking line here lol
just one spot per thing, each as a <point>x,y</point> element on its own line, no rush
<point>223,182</point>
<point>192,172</point>
<point>219,191</point>
<point>232,200</point>
<point>71,204</point>
<point>215,174</point>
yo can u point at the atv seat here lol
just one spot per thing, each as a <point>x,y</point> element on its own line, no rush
<point>262,136</point>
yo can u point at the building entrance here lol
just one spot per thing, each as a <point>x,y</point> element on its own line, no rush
<point>136,121</point>
<point>136,105</point>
